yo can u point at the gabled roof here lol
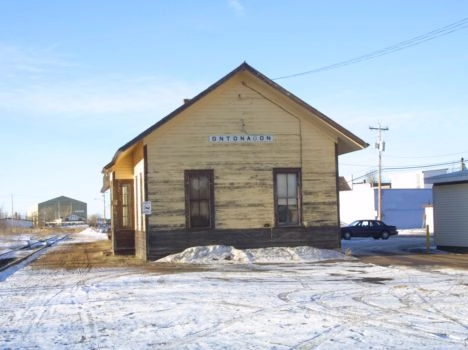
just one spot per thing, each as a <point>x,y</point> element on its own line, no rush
<point>345,135</point>
<point>343,184</point>
<point>62,198</point>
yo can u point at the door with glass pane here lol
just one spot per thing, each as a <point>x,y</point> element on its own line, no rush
<point>287,197</point>
<point>123,236</point>
<point>123,204</point>
<point>199,199</point>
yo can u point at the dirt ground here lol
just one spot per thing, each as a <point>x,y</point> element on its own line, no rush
<point>451,260</point>
<point>98,254</point>
<point>84,255</point>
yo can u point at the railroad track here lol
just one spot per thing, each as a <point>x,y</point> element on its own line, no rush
<point>23,255</point>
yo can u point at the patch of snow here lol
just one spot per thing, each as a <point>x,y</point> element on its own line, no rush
<point>88,235</point>
<point>229,254</point>
<point>413,231</point>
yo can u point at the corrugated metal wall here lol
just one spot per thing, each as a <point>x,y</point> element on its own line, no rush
<point>451,215</point>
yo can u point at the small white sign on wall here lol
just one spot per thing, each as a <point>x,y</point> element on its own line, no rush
<point>240,138</point>
<point>146,208</point>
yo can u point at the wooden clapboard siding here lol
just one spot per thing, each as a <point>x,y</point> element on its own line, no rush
<point>243,172</point>
<point>320,203</point>
<point>249,196</point>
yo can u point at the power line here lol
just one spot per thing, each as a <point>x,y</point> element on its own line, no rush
<point>404,166</point>
<point>433,156</point>
<point>407,167</point>
<point>420,166</point>
<point>417,40</point>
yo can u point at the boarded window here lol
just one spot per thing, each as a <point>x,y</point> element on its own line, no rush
<point>287,197</point>
<point>199,199</point>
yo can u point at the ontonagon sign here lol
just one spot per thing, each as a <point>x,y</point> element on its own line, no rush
<point>240,138</point>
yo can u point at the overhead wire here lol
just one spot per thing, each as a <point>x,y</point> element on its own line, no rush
<point>433,156</point>
<point>406,167</point>
<point>417,40</point>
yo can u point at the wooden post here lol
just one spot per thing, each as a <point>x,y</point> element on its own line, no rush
<point>428,239</point>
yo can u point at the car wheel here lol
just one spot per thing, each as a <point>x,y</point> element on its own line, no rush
<point>347,236</point>
<point>385,235</point>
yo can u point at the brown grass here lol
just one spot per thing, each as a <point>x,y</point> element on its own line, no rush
<point>6,231</point>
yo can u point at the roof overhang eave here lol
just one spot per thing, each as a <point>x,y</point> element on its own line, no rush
<point>348,146</point>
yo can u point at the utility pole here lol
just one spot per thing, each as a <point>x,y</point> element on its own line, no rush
<point>380,145</point>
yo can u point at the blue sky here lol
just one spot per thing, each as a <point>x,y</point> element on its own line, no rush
<point>78,79</point>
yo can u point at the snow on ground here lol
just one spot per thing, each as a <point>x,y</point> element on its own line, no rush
<point>297,304</point>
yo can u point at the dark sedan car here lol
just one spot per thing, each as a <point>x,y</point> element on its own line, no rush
<point>368,228</point>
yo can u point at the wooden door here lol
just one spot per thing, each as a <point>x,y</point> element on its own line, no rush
<point>123,217</point>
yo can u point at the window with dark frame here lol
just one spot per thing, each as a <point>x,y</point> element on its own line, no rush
<point>287,196</point>
<point>199,191</point>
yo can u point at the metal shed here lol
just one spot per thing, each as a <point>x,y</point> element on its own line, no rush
<point>60,209</point>
<point>450,198</point>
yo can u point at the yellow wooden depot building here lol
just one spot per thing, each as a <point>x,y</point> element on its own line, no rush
<point>244,163</point>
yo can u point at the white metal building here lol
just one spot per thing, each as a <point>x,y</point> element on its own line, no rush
<point>450,198</point>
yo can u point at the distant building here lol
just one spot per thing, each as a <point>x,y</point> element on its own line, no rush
<point>406,201</point>
<point>414,179</point>
<point>9,222</point>
<point>61,210</point>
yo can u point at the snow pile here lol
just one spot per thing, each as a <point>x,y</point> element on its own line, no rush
<point>229,254</point>
<point>88,235</point>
